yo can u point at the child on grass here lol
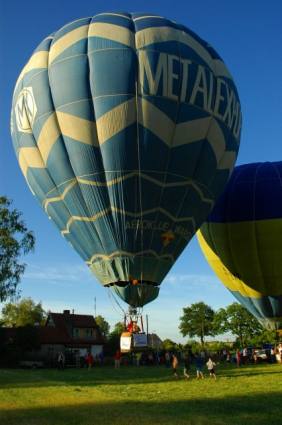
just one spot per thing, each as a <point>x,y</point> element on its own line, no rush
<point>199,361</point>
<point>174,365</point>
<point>211,368</point>
<point>186,367</point>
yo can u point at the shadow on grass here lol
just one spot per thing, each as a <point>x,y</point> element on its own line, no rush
<point>15,378</point>
<point>262,409</point>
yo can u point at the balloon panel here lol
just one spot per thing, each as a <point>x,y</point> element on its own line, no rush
<point>242,239</point>
<point>126,128</point>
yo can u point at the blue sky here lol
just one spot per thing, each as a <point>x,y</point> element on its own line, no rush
<point>248,36</point>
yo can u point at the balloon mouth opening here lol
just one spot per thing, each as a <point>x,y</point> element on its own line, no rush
<point>134,282</point>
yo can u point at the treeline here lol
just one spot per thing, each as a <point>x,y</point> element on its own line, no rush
<point>197,321</point>
<point>200,320</point>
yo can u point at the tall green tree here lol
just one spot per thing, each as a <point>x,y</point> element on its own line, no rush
<point>23,313</point>
<point>236,319</point>
<point>113,341</point>
<point>266,336</point>
<point>197,320</point>
<point>118,329</point>
<point>103,325</point>
<point>15,240</point>
<point>170,345</point>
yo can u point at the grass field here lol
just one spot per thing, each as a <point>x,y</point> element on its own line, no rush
<point>251,395</point>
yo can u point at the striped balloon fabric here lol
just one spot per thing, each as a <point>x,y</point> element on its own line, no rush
<point>126,128</point>
<point>242,239</point>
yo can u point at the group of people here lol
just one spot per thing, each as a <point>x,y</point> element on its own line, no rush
<point>199,363</point>
<point>132,327</point>
<point>246,356</point>
<point>200,359</point>
<point>88,360</point>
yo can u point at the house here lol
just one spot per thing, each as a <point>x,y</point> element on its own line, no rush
<point>155,342</point>
<point>73,334</point>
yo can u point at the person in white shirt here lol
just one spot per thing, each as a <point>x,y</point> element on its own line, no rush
<point>245,355</point>
<point>280,352</point>
<point>211,368</point>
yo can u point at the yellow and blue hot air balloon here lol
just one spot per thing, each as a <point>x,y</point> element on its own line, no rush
<point>242,239</point>
<point>126,128</point>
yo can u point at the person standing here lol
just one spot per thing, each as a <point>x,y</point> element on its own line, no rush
<point>117,359</point>
<point>199,366</point>
<point>272,355</point>
<point>174,363</point>
<point>89,360</point>
<point>238,358</point>
<point>245,355</point>
<point>280,352</point>
<point>211,368</point>
<point>186,367</point>
<point>129,327</point>
<point>61,361</point>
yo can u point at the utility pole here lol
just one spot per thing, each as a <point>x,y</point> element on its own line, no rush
<point>95,313</point>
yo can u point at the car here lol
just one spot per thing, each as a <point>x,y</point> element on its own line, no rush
<point>261,355</point>
<point>31,364</point>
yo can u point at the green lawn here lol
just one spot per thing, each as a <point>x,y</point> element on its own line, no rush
<point>251,395</point>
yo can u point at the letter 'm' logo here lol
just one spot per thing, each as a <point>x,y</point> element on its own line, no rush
<point>25,110</point>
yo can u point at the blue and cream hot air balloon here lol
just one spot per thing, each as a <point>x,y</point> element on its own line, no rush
<point>242,239</point>
<point>126,128</point>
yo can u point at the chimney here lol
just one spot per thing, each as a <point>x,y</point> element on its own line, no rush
<point>66,312</point>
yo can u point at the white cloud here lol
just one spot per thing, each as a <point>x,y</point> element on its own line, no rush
<point>189,284</point>
<point>70,273</point>
<point>191,279</point>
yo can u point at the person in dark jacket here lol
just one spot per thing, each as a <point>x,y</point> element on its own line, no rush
<point>199,361</point>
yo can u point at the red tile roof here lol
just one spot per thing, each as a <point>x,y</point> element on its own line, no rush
<point>65,322</point>
<point>53,335</point>
<point>75,320</point>
<point>62,331</point>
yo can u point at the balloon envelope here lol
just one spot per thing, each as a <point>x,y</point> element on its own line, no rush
<point>242,240</point>
<point>126,128</point>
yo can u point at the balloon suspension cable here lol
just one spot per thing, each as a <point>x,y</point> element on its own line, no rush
<point>112,297</point>
<point>134,314</point>
<point>140,219</point>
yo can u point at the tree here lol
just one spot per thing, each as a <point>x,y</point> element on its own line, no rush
<point>23,313</point>
<point>265,337</point>
<point>113,342</point>
<point>103,325</point>
<point>118,329</point>
<point>169,345</point>
<point>236,319</point>
<point>197,320</point>
<point>15,240</point>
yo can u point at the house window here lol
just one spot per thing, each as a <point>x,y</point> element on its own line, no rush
<point>76,333</point>
<point>89,332</point>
